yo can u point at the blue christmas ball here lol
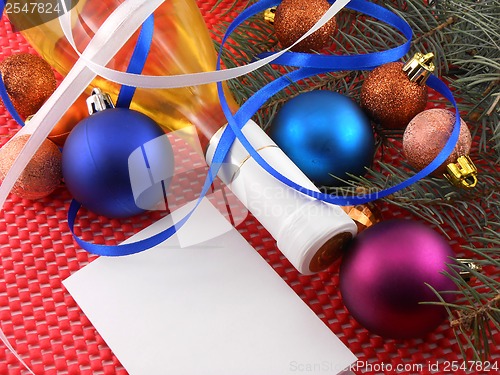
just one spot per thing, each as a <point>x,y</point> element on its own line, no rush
<point>325,133</point>
<point>113,159</point>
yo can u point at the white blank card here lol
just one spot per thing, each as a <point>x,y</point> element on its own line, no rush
<point>214,308</point>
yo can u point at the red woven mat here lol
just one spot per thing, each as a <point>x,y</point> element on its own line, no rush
<point>47,328</point>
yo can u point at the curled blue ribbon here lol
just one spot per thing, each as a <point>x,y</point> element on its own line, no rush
<point>237,121</point>
<point>309,65</point>
<point>321,64</point>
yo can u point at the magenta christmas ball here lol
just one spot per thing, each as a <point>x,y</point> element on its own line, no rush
<point>383,279</point>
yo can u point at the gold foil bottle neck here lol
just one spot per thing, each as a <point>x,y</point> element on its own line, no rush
<point>420,67</point>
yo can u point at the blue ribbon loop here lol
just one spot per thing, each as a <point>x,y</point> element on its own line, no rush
<point>237,122</point>
<point>308,65</point>
<point>315,64</point>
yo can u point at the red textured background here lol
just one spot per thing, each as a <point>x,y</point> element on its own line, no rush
<point>47,328</point>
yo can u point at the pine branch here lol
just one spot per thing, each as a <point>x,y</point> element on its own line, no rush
<point>466,319</point>
<point>451,20</point>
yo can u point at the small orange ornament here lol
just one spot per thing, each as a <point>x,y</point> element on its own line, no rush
<point>293,18</point>
<point>29,81</point>
<point>394,93</point>
<point>42,175</point>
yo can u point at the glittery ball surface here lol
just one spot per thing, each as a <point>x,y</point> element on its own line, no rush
<point>29,81</point>
<point>427,134</point>
<point>43,173</point>
<point>295,17</point>
<point>390,98</point>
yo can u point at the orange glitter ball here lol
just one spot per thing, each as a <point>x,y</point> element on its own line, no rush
<point>294,18</point>
<point>29,81</point>
<point>390,98</point>
<point>42,175</point>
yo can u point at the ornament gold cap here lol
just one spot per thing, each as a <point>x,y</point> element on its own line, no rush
<point>420,67</point>
<point>99,101</point>
<point>471,267</point>
<point>463,173</point>
<point>269,15</point>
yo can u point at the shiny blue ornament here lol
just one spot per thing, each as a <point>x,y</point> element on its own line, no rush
<point>96,160</point>
<point>325,133</point>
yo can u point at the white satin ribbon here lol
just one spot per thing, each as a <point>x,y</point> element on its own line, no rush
<point>184,80</point>
<point>7,344</point>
